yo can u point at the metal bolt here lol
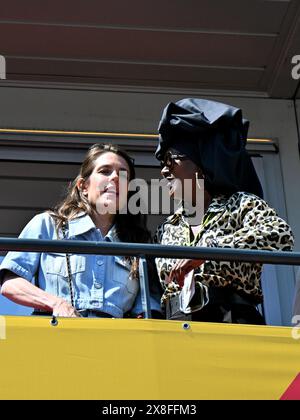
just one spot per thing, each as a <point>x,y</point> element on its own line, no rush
<point>186,326</point>
<point>54,321</point>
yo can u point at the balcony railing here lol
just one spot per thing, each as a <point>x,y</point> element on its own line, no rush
<point>146,250</point>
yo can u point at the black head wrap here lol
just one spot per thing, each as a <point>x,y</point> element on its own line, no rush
<point>214,136</point>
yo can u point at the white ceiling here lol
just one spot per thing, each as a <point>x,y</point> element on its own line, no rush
<point>240,46</point>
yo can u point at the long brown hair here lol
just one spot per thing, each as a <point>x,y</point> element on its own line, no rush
<point>129,227</point>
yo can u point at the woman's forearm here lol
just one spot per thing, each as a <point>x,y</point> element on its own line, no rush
<point>24,293</point>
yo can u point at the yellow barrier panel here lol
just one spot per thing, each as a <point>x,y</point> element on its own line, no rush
<point>144,359</point>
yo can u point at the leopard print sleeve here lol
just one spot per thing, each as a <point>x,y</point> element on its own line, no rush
<point>257,226</point>
<point>247,223</point>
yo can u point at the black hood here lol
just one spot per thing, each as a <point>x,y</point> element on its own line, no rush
<point>214,136</point>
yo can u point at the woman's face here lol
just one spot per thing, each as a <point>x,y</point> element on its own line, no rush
<point>107,187</point>
<point>178,170</point>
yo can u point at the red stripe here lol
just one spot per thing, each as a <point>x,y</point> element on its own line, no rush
<point>293,391</point>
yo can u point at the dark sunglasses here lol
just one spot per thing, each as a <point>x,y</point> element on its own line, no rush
<point>170,159</point>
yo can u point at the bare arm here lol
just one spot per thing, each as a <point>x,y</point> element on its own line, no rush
<point>24,293</point>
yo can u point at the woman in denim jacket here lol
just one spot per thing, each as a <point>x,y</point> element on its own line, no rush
<point>88,285</point>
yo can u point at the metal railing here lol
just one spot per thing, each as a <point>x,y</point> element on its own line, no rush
<point>146,250</point>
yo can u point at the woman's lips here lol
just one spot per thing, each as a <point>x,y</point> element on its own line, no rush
<point>111,191</point>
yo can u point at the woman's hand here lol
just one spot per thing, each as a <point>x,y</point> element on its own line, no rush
<point>24,293</point>
<point>63,308</point>
<point>181,269</point>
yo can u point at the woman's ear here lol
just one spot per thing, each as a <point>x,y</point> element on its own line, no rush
<point>82,186</point>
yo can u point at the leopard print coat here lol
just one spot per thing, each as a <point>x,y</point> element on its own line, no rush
<point>242,221</point>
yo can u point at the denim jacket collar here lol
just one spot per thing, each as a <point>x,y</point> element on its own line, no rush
<point>83,223</point>
<point>112,235</point>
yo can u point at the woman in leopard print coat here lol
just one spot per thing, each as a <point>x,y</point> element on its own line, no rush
<point>206,139</point>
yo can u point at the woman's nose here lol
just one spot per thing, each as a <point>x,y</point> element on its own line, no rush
<point>165,171</point>
<point>114,175</point>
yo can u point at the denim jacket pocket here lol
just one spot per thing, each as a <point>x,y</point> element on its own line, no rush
<point>122,275</point>
<point>57,271</point>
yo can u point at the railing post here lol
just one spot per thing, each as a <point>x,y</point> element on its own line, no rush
<point>144,284</point>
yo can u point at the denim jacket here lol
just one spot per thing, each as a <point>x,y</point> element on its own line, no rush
<point>100,282</point>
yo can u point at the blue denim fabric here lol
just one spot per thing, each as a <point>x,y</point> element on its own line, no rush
<point>99,282</point>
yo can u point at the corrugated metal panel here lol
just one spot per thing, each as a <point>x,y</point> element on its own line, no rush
<point>218,45</point>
